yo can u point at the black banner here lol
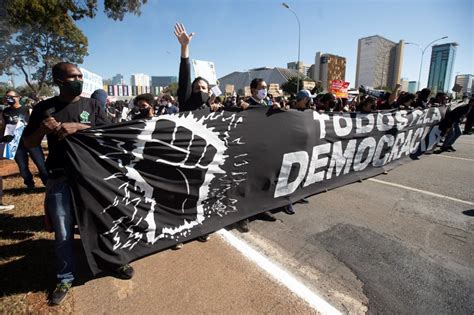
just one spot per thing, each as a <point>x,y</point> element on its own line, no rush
<point>142,186</point>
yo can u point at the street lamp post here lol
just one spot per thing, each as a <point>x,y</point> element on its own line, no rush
<point>422,54</point>
<point>299,46</point>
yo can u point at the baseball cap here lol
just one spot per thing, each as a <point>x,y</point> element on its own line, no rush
<point>304,93</point>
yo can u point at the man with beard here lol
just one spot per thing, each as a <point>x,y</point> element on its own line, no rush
<point>57,118</point>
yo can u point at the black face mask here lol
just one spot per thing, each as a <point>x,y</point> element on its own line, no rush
<point>199,98</point>
<point>73,88</point>
<point>10,100</point>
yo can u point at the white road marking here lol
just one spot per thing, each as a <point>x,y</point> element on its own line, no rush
<point>452,157</point>
<point>278,273</point>
<point>421,191</point>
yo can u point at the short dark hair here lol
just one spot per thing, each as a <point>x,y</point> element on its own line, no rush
<point>255,82</point>
<point>146,97</point>
<point>199,79</point>
<point>406,97</point>
<point>58,69</point>
<point>11,90</point>
<point>328,97</point>
<point>425,93</point>
<point>440,94</point>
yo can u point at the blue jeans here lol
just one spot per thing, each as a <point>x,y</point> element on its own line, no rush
<point>61,213</point>
<point>452,136</point>
<point>21,159</point>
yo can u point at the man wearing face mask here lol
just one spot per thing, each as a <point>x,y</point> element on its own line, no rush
<point>259,92</point>
<point>258,89</point>
<point>57,118</point>
<point>195,95</point>
<point>11,116</point>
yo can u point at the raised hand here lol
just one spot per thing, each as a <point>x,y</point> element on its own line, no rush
<point>182,35</point>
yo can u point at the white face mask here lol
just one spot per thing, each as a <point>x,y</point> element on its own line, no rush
<point>261,94</point>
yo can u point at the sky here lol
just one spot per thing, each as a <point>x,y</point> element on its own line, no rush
<point>245,34</point>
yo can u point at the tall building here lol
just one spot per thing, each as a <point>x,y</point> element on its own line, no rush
<point>140,79</point>
<point>379,62</point>
<point>404,84</point>
<point>117,79</point>
<point>328,67</point>
<point>467,83</point>
<point>441,67</point>
<point>412,87</point>
<point>304,69</point>
<point>163,80</point>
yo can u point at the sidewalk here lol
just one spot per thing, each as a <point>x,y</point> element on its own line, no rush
<point>200,278</point>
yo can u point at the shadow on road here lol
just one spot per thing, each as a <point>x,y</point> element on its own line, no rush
<point>469,213</point>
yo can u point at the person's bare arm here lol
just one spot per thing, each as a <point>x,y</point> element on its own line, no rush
<point>394,94</point>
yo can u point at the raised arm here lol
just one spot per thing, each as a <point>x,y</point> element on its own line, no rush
<point>394,95</point>
<point>184,83</point>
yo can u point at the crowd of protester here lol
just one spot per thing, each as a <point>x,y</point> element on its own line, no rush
<point>55,119</point>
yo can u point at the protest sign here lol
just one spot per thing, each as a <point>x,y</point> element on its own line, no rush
<point>339,88</point>
<point>206,70</point>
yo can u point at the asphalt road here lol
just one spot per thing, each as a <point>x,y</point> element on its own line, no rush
<point>398,243</point>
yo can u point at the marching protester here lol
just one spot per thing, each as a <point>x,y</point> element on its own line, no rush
<point>451,125</point>
<point>469,121</point>
<point>326,103</point>
<point>167,106</point>
<point>11,116</point>
<point>258,90</point>
<point>4,207</point>
<point>389,99</point>
<point>304,100</point>
<point>101,97</point>
<point>144,108</point>
<point>422,100</point>
<point>193,95</point>
<point>440,99</point>
<point>367,105</point>
<point>405,101</point>
<point>57,118</point>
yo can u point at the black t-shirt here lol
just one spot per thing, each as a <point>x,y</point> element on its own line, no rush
<point>11,115</point>
<point>85,111</point>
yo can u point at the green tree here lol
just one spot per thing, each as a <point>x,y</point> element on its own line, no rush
<point>27,91</point>
<point>36,34</point>
<point>33,52</point>
<point>318,88</point>
<point>171,89</point>
<point>384,88</point>
<point>55,12</point>
<point>290,87</point>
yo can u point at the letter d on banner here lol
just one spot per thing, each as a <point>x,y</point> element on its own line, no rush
<point>283,187</point>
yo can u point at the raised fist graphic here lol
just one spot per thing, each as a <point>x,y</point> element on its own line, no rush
<point>168,163</point>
